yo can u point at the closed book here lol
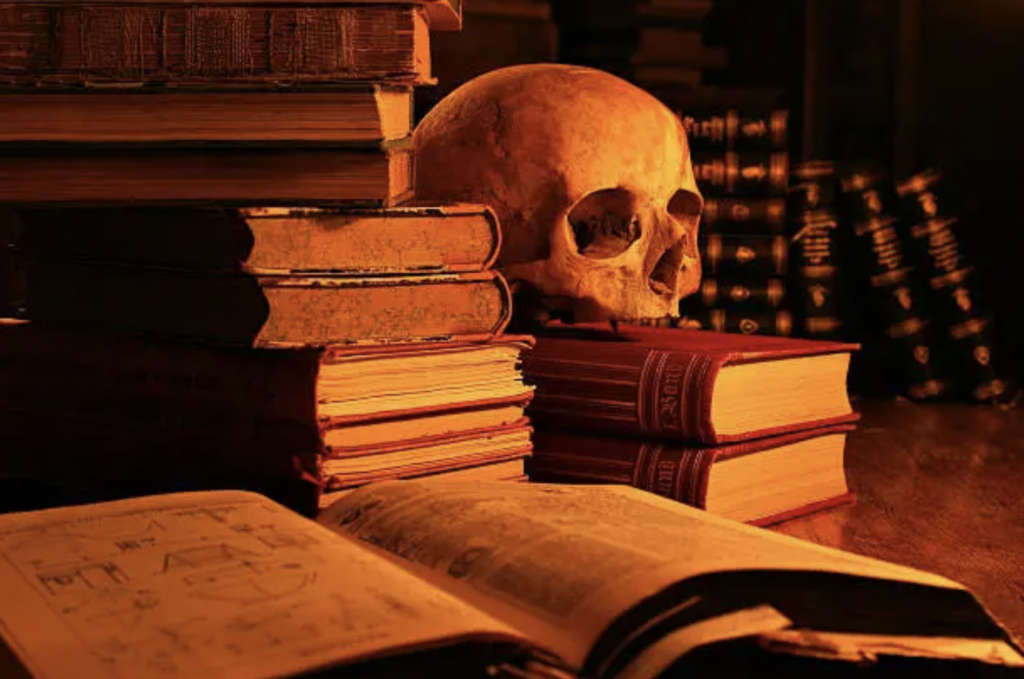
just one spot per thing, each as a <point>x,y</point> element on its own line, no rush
<point>815,273</point>
<point>761,482</point>
<point>238,174</point>
<point>269,310</point>
<point>329,114</point>
<point>745,173</point>
<point>293,418</point>
<point>732,318</point>
<point>744,215</point>
<point>421,238</point>
<point>686,385</point>
<point>65,44</point>
<point>745,255</point>
<point>737,129</point>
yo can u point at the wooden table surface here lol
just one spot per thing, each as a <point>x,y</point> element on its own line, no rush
<point>941,488</point>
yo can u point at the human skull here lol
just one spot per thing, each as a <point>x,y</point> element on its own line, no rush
<point>590,178</point>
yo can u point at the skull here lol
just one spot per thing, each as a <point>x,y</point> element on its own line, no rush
<point>590,178</point>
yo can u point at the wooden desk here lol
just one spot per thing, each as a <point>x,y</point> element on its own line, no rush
<point>940,488</point>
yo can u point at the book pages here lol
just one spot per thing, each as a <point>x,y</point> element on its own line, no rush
<point>565,561</point>
<point>202,585</point>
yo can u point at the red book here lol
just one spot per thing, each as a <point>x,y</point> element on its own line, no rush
<point>698,386</point>
<point>760,482</point>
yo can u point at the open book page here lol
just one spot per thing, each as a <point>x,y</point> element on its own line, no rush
<point>564,561</point>
<point>195,585</point>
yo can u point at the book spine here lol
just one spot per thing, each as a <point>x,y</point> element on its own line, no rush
<point>746,256</point>
<point>952,283</point>
<point>738,294</point>
<point>748,174</point>
<point>736,215</point>
<point>897,288</point>
<point>734,129</point>
<point>753,322</point>
<point>209,44</point>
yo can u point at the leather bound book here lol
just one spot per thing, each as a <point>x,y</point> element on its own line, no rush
<point>816,273</point>
<point>68,44</point>
<point>411,239</point>
<point>690,385</point>
<point>241,174</point>
<point>741,294</point>
<point>761,482</point>
<point>353,113</point>
<point>269,310</point>
<point>745,256</point>
<point>737,215</point>
<point>737,319</point>
<point>747,173</point>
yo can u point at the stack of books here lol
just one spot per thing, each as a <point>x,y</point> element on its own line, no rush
<point>229,281</point>
<point>752,428</point>
<point>739,150</point>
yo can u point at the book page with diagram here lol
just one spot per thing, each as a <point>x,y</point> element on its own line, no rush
<point>201,585</point>
<point>562,562</point>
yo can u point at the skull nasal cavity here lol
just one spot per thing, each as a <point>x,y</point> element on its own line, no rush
<point>604,223</point>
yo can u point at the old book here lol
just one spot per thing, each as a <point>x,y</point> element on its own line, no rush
<point>761,482</point>
<point>736,129</point>
<point>749,174</point>
<point>414,238</point>
<point>269,310</point>
<point>65,44</point>
<point>908,336</point>
<point>959,308</point>
<point>816,273</point>
<point>245,175</point>
<point>462,580</point>
<point>308,420</point>
<point>744,215</point>
<point>689,385</point>
<point>357,113</point>
<point>745,255</point>
<point>737,319</point>
<point>737,294</point>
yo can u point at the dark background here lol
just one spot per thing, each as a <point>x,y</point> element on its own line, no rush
<point>909,84</point>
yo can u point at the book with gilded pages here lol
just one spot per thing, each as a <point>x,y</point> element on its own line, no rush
<point>689,385</point>
<point>761,482</point>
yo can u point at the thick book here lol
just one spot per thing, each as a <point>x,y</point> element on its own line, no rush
<point>745,255</point>
<point>738,215</point>
<point>269,310</point>
<point>760,482</point>
<point>462,580</point>
<point>64,44</point>
<point>78,405</point>
<point>689,385</point>
<point>238,174</point>
<point>330,114</point>
<point>413,238</point>
<point>816,273</point>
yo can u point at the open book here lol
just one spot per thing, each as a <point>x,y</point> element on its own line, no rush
<point>437,579</point>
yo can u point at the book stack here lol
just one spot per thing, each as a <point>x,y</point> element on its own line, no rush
<point>739,141</point>
<point>225,291</point>
<point>752,428</point>
<point>652,43</point>
<point>496,34</point>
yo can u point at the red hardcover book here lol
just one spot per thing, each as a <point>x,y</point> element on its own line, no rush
<point>690,385</point>
<point>759,482</point>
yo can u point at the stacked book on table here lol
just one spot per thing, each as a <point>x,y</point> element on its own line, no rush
<point>225,291</point>
<point>752,428</point>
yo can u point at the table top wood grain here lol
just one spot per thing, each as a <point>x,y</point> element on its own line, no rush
<point>940,488</point>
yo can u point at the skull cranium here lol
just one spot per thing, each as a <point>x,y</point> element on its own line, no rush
<point>591,180</point>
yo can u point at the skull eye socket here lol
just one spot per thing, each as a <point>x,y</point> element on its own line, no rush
<point>684,206</point>
<point>604,223</point>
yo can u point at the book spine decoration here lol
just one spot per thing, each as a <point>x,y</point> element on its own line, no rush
<point>952,283</point>
<point>746,256</point>
<point>729,129</point>
<point>750,174</point>
<point>754,322</point>
<point>869,203</point>
<point>767,293</point>
<point>813,224</point>
<point>736,215</point>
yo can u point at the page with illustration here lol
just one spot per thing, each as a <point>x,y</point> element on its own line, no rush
<point>563,562</point>
<point>225,585</point>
